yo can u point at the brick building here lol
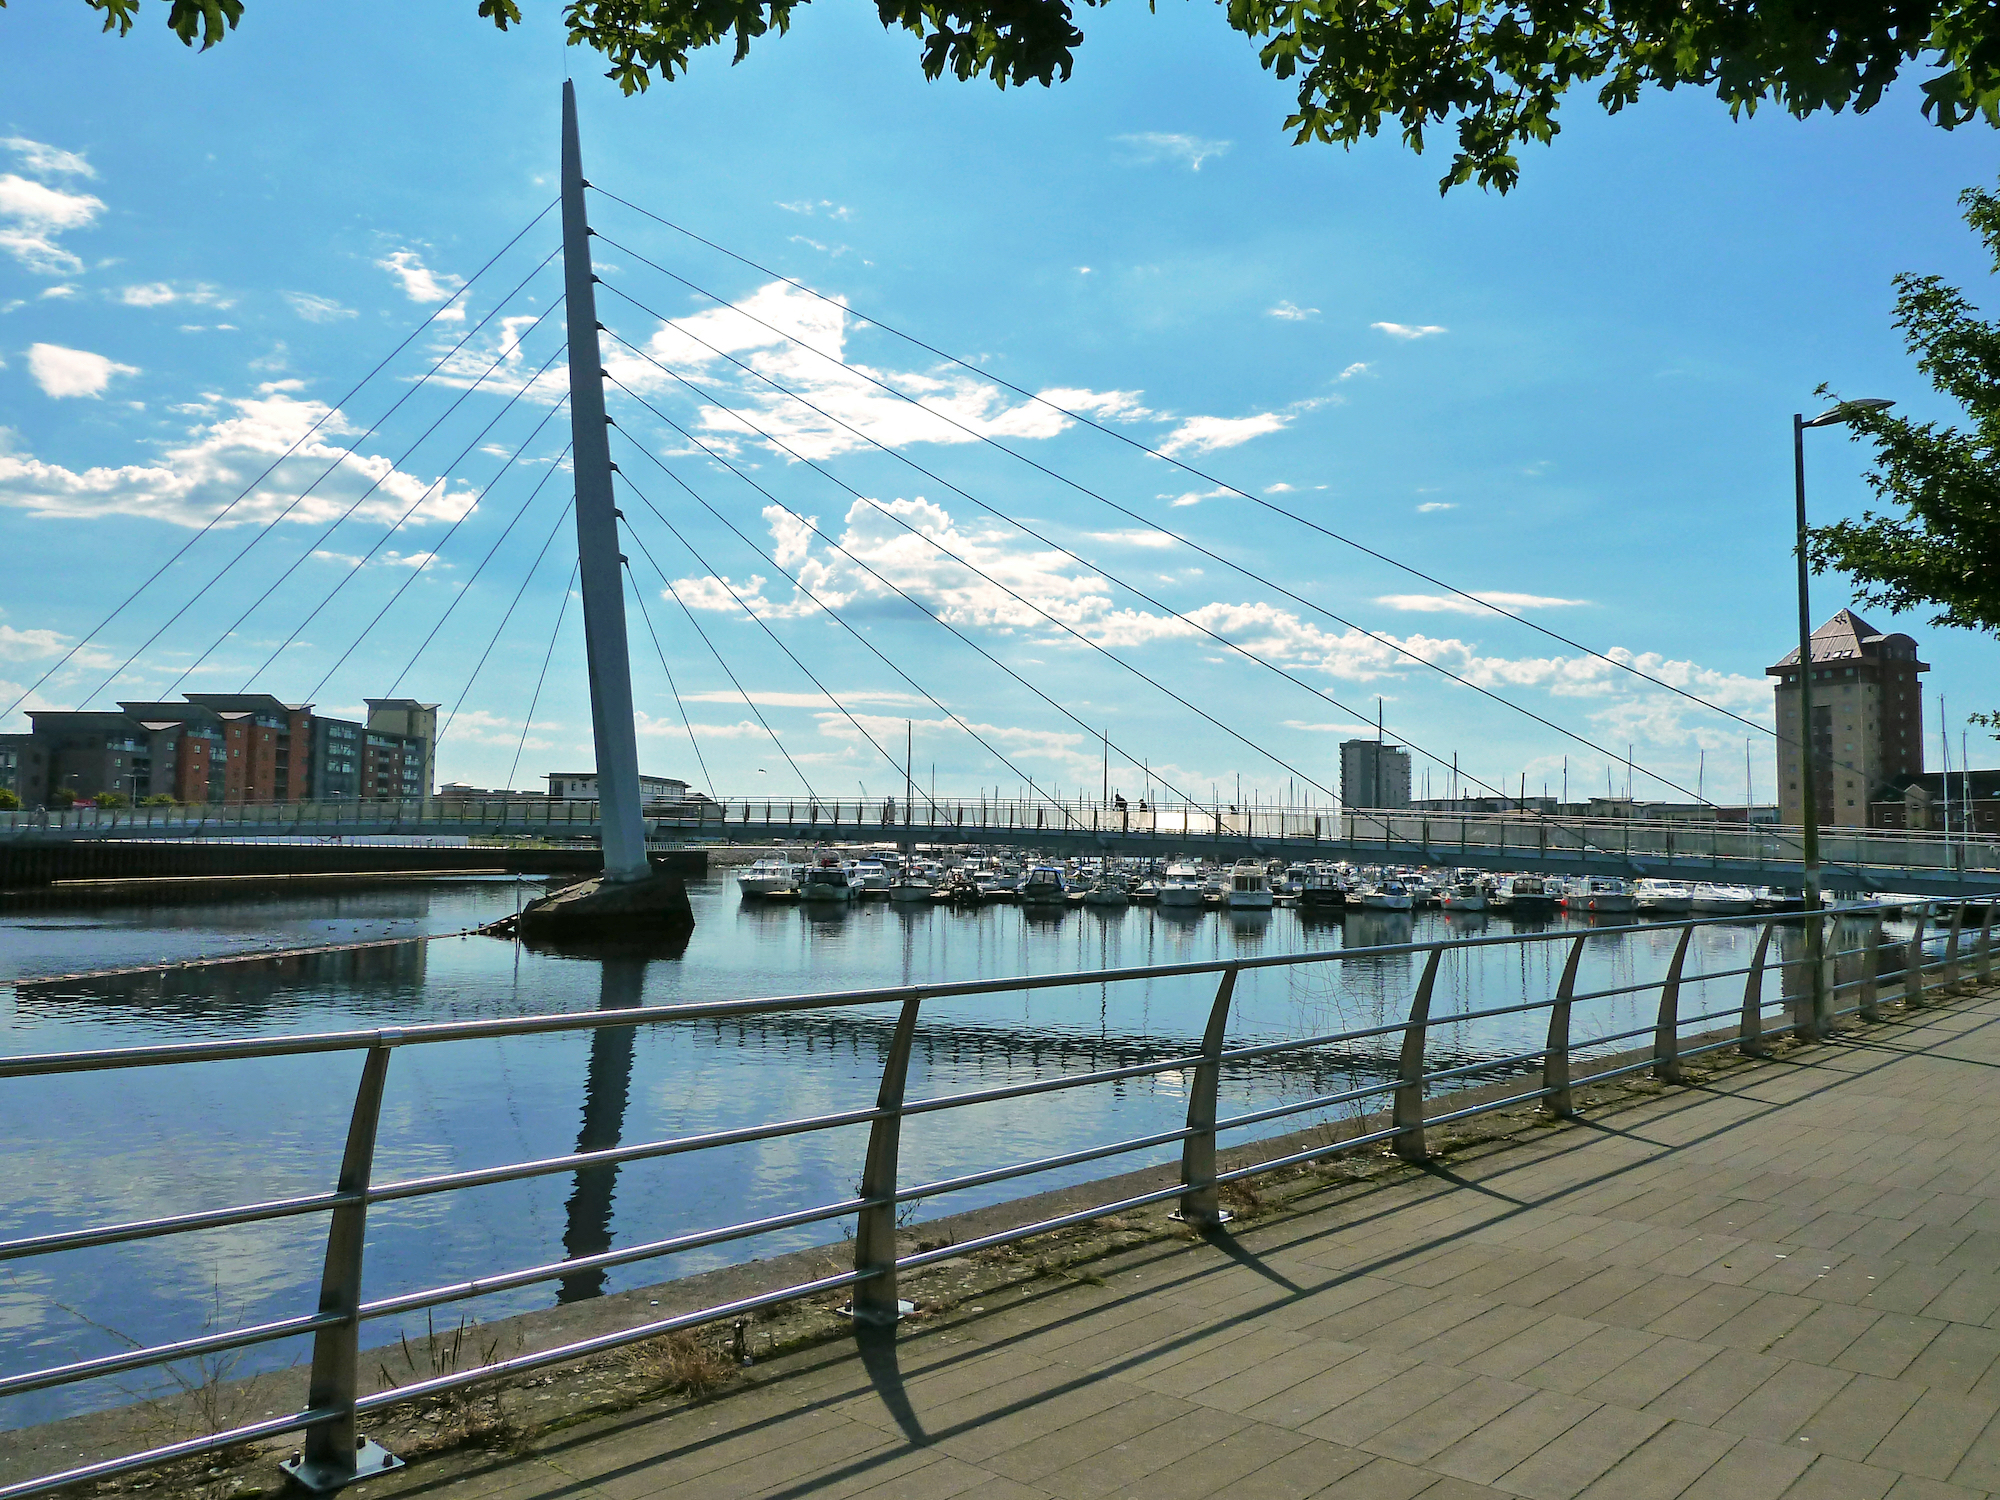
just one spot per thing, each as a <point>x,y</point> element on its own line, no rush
<point>1868,721</point>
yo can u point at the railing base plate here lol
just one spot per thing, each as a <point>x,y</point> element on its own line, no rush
<point>903,1309</point>
<point>370,1459</point>
<point>1204,1221</point>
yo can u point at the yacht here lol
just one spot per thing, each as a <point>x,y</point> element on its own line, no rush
<point>912,884</point>
<point>1249,887</point>
<point>1523,896</point>
<point>1043,886</point>
<point>1664,897</point>
<point>869,877</point>
<point>1389,895</point>
<point>1603,894</point>
<point>1181,885</point>
<point>1464,895</point>
<point>1321,890</point>
<point>825,880</point>
<point>1106,890</point>
<point>767,877</point>
<point>1723,900</point>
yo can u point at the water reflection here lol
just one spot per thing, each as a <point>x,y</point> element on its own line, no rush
<point>607,1086</point>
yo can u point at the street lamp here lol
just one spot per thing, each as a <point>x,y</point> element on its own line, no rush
<point>1809,794</point>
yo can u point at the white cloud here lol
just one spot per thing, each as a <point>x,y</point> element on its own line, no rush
<point>1408,330</point>
<point>776,335</point>
<point>1359,367</point>
<point>33,215</point>
<point>822,208</point>
<point>64,372</point>
<point>1183,150</point>
<point>1206,434</point>
<point>44,160</point>
<point>187,484</point>
<point>1132,538</point>
<point>1280,488</point>
<point>25,645</point>
<point>1429,506</point>
<point>160,294</point>
<point>315,308</point>
<point>764,699</point>
<point>54,293</point>
<point>1330,728</point>
<point>421,284</point>
<point>1458,605</point>
<point>1195,497</point>
<point>1291,312</point>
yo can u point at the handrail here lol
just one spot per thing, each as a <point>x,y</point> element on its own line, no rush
<point>1929,963</point>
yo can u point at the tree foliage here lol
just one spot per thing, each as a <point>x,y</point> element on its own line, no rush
<point>1495,69</point>
<point>1939,547</point>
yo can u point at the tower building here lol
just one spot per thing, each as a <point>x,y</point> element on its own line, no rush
<point>1868,720</point>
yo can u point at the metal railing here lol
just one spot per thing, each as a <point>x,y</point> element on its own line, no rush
<point>1477,835</point>
<point>334,1453</point>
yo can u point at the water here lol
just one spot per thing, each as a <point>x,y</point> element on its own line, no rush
<point>106,1147</point>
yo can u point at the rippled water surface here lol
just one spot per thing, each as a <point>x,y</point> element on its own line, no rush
<point>114,1146</point>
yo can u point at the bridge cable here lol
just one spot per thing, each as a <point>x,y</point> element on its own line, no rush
<point>561,610</point>
<point>356,504</point>
<point>436,547</point>
<point>554,467</point>
<point>270,526</point>
<point>1380,639</point>
<point>775,640</point>
<point>639,597</point>
<point>508,614</point>
<point>977,572</point>
<point>1059,624</point>
<point>215,520</point>
<point>1132,442</point>
<point>1093,731</point>
<point>741,692</point>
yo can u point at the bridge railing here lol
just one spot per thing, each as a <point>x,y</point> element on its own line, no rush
<point>1433,836</point>
<point>1403,1055</point>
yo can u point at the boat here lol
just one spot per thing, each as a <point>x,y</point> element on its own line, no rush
<point>1603,894</point>
<point>1663,897</point>
<point>1523,896</point>
<point>1389,895</point>
<point>1181,885</point>
<point>1464,895</point>
<point>1249,887</point>
<point>1107,890</point>
<point>1043,886</point>
<point>1723,900</point>
<point>911,885</point>
<point>825,880</point>
<point>767,877</point>
<point>869,877</point>
<point>1321,890</point>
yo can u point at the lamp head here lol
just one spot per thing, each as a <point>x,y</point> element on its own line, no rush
<point>1832,416</point>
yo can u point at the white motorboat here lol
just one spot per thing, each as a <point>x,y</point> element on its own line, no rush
<point>1249,887</point>
<point>767,877</point>
<point>1723,900</point>
<point>912,884</point>
<point>1107,890</point>
<point>868,877</point>
<point>1321,890</point>
<point>1181,885</point>
<point>1665,897</point>
<point>1389,895</point>
<point>1523,896</point>
<point>1464,895</point>
<point>1603,894</point>
<point>825,880</point>
<point>1043,886</point>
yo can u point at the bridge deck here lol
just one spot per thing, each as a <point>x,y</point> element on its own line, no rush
<point>1782,1282</point>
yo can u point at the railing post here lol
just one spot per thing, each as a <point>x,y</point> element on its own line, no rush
<point>1750,1035</point>
<point>1409,1100</point>
<point>1667,1029</point>
<point>875,1229</point>
<point>1200,1205</point>
<point>334,1454</point>
<point>1985,961</point>
<point>1555,1061</point>
<point>1871,970</point>
<point>1951,947</point>
<point>1913,961</point>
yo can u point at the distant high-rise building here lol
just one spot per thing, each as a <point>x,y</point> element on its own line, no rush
<point>1373,774</point>
<point>1868,720</point>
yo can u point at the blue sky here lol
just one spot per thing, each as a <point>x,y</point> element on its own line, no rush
<point>1574,399</point>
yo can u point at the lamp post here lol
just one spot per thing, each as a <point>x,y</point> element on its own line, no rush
<point>1808,789</point>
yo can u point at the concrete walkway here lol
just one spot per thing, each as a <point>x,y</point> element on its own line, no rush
<point>1784,1282</point>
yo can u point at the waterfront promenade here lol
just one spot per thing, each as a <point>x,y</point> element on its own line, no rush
<point>1782,1281</point>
